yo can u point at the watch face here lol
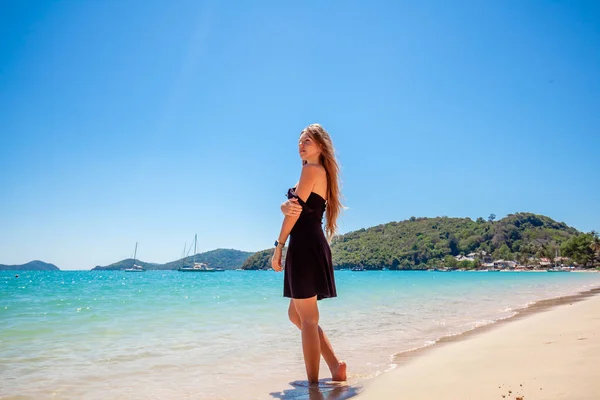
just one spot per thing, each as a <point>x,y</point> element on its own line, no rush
<point>276,243</point>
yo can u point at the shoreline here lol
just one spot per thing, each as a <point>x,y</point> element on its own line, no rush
<point>404,357</point>
<point>411,362</point>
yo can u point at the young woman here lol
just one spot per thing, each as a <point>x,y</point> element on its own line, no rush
<point>308,267</point>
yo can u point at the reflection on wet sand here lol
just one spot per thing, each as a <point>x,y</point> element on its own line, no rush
<point>324,390</point>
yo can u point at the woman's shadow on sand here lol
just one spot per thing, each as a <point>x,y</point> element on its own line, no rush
<point>324,390</point>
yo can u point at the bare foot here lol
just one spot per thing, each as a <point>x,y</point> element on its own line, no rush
<point>339,374</point>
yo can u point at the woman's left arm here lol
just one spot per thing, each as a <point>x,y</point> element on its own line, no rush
<point>303,189</point>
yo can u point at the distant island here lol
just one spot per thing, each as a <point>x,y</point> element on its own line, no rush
<point>227,259</point>
<point>517,241</point>
<point>35,265</point>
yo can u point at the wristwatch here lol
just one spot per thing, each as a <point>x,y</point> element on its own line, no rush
<point>278,243</point>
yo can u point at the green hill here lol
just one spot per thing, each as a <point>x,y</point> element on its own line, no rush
<point>420,243</point>
<point>224,258</point>
<point>126,263</point>
<point>259,260</point>
<point>35,265</point>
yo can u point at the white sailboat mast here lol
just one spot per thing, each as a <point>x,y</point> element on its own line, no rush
<point>195,239</point>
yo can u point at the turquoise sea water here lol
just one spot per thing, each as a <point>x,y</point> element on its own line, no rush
<point>172,335</point>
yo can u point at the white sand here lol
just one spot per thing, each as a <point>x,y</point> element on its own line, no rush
<point>553,354</point>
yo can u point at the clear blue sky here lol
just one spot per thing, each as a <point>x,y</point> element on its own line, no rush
<point>150,121</point>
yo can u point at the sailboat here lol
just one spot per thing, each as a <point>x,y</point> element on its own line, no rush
<point>196,266</point>
<point>135,268</point>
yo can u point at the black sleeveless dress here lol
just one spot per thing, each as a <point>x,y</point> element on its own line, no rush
<point>308,267</point>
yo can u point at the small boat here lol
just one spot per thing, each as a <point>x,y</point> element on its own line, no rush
<point>358,268</point>
<point>196,266</point>
<point>135,268</point>
<point>558,270</point>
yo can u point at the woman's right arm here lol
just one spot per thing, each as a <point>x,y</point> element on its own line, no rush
<point>291,208</point>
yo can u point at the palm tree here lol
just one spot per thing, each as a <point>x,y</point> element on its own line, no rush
<point>595,245</point>
<point>523,259</point>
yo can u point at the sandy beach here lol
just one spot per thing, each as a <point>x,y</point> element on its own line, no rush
<point>550,351</point>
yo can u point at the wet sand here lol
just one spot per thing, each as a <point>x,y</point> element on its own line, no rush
<point>549,350</point>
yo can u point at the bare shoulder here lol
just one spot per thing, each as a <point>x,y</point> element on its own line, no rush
<point>316,174</point>
<point>314,170</point>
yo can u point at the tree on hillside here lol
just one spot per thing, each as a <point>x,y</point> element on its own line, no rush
<point>579,248</point>
<point>450,262</point>
<point>503,253</point>
<point>595,245</point>
<point>492,217</point>
<point>453,245</point>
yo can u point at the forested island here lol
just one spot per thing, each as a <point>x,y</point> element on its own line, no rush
<point>518,240</point>
<point>34,265</point>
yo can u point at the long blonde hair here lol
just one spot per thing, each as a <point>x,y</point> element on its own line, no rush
<point>329,162</point>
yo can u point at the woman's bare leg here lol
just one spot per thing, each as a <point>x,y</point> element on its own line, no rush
<point>337,367</point>
<point>311,345</point>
